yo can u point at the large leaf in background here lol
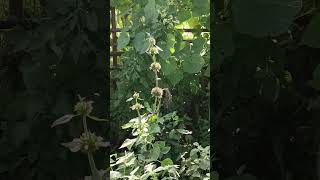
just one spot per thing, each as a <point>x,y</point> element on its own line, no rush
<point>264,17</point>
<point>140,43</point>
<point>123,40</point>
<point>175,77</point>
<point>315,82</point>
<point>150,11</point>
<point>193,64</point>
<point>311,36</point>
<point>200,7</point>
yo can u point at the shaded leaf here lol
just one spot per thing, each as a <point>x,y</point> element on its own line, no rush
<point>64,119</point>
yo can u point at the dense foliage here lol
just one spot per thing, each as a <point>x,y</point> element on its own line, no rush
<point>46,63</point>
<point>266,89</point>
<point>184,64</point>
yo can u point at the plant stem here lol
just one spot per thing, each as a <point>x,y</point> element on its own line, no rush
<point>94,171</point>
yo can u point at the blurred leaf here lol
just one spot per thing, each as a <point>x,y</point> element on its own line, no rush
<point>64,119</point>
<point>311,36</point>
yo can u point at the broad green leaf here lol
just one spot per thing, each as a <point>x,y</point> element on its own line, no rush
<point>128,143</point>
<point>168,66</point>
<point>123,40</point>
<point>183,15</point>
<point>193,64</point>
<point>176,77</point>
<point>140,43</point>
<point>200,7</point>
<point>261,18</point>
<point>155,152</point>
<point>311,36</point>
<point>64,119</point>
<point>166,162</point>
<point>150,11</point>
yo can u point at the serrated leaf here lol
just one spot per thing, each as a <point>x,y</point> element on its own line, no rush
<point>64,119</point>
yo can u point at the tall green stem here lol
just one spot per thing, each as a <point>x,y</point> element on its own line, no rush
<point>94,171</point>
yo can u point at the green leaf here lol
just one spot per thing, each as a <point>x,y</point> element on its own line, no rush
<point>128,143</point>
<point>150,11</point>
<point>166,162</point>
<point>140,43</point>
<point>193,64</point>
<point>92,21</point>
<point>264,17</point>
<point>175,78</point>
<point>123,40</point>
<point>200,7</point>
<point>155,153</point>
<point>168,67</point>
<point>64,119</point>
<point>311,36</point>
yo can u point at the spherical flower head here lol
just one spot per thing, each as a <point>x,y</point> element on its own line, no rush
<point>135,95</point>
<point>157,92</point>
<point>154,50</point>
<point>83,107</point>
<point>155,66</point>
<point>137,106</point>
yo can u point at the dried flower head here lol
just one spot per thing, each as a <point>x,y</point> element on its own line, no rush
<point>137,106</point>
<point>157,92</point>
<point>155,66</point>
<point>135,95</point>
<point>83,107</point>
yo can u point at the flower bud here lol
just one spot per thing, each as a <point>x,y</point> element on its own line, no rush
<point>152,41</point>
<point>154,50</point>
<point>155,66</point>
<point>157,92</point>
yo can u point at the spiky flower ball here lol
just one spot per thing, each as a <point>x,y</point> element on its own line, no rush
<point>155,66</point>
<point>83,107</point>
<point>157,92</point>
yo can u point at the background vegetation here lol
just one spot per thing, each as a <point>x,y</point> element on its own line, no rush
<point>48,59</point>
<point>266,89</point>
